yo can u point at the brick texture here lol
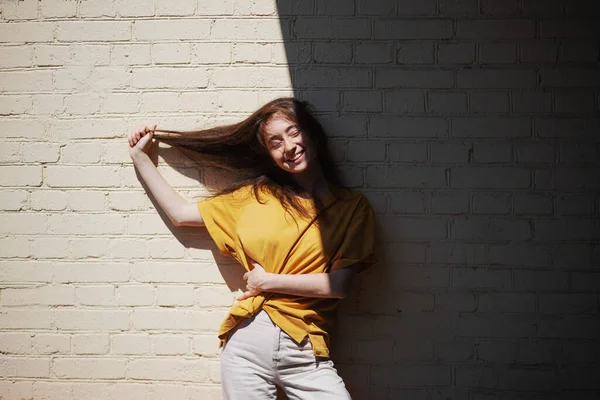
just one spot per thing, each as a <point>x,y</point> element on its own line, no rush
<point>473,126</point>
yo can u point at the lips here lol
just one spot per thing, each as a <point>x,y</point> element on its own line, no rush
<point>296,156</point>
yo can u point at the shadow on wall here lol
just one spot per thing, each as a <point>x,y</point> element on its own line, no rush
<point>472,128</point>
<point>191,237</point>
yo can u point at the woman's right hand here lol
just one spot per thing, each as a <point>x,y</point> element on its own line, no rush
<point>139,141</point>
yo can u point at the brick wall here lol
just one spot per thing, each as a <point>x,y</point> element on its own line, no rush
<point>472,125</point>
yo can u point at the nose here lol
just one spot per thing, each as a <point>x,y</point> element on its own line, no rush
<point>288,145</point>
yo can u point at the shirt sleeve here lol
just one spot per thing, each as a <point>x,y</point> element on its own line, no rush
<point>358,245</point>
<point>220,218</point>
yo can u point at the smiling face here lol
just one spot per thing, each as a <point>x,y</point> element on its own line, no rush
<point>289,146</point>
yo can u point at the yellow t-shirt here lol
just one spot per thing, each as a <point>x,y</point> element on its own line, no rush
<point>287,243</point>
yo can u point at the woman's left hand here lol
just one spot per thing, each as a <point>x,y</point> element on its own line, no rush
<point>255,280</point>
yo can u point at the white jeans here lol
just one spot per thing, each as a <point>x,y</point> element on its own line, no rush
<point>259,356</point>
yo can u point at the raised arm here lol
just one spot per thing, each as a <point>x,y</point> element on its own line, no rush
<point>180,211</point>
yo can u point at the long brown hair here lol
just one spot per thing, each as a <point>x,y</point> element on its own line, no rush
<point>239,148</point>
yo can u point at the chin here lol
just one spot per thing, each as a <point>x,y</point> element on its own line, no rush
<point>296,171</point>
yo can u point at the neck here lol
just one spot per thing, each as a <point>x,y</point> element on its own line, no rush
<point>313,182</point>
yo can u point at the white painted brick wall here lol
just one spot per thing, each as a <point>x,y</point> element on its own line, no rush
<point>471,125</point>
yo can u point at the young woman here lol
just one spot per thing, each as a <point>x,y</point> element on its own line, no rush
<point>298,232</point>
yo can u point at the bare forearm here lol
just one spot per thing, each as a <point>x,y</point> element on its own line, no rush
<point>167,198</point>
<point>309,285</point>
<point>325,285</point>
